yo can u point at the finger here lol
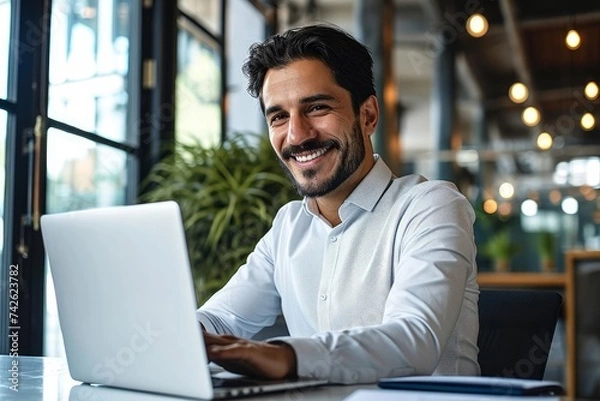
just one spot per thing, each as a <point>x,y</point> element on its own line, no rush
<point>235,359</point>
<point>252,358</point>
<point>230,351</point>
<point>215,339</point>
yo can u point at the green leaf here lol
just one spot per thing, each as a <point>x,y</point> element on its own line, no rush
<point>228,197</point>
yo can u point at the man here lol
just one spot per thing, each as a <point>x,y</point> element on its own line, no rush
<point>375,275</point>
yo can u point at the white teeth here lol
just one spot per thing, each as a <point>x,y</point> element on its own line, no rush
<point>309,157</point>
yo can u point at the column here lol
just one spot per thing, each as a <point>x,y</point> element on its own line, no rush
<point>443,107</point>
<point>375,28</point>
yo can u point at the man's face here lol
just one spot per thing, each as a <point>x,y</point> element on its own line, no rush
<point>319,140</point>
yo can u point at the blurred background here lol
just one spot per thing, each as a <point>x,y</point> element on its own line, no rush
<point>498,96</point>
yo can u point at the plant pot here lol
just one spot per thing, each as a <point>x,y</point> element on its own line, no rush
<point>501,265</point>
<point>547,265</point>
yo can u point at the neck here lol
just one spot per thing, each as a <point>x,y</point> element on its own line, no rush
<point>329,204</point>
<point>329,210</point>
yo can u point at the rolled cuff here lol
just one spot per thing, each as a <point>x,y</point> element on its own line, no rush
<point>312,357</point>
<point>208,324</point>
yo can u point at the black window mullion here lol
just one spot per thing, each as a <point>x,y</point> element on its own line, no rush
<point>201,27</point>
<point>134,94</point>
<point>224,80</point>
<point>157,102</point>
<point>8,106</point>
<point>24,250</point>
<point>91,136</point>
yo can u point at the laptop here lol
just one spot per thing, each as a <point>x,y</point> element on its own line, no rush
<point>126,303</point>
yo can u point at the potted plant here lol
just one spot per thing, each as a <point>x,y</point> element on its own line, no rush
<point>547,247</point>
<point>228,196</point>
<point>500,248</point>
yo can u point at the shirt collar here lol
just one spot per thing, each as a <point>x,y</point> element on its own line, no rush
<point>371,188</point>
<point>368,191</point>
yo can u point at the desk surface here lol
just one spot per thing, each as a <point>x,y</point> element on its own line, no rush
<point>48,379</point>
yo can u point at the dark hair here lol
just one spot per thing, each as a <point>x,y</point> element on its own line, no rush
<point>349,60</point>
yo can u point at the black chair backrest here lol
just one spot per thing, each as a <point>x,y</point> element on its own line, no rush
<point>515,331</point>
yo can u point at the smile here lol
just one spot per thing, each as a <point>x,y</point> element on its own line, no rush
<point>310,156</point>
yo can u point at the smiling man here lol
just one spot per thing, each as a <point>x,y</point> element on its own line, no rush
<point>322,142</point>
<point>374,274</point>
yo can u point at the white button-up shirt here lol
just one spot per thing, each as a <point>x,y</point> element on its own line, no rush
<point>390,291</point>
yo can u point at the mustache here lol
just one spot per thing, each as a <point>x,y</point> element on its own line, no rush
<point>308,146</point>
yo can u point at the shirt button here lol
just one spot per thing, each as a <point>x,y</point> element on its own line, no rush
<point>333,238</point>
<point>323,297</point>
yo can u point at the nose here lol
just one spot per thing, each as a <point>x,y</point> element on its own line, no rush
<point>299,129</point>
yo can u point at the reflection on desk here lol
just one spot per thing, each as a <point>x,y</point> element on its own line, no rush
<point>85,392</point>
<point>48,379</point>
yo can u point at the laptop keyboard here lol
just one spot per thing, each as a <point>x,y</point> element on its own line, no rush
<point>219,382</point>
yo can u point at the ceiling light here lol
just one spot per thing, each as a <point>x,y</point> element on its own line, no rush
<point>555,196</point>
<point>518,92</point>
<point>588,192</point>
<point>530,116</point>
<point>529,207</point>
<point>490,206</point>
<point>466,156</point>
<point>570,205</point>
<point>477,25</point>
<point>544,141</point>
<point>588,122</point>
<point>506,190</point>
<point>573,40</point>
<point>504,209</point>
<point>590,196</point>
<point>591,90</point>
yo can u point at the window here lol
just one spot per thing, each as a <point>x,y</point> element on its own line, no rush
<point>77,119</point>
<point>89,146</point>
<point>83,174</point>
<point>5,28</point>
<point>89,66</point>
<point>206,12</point>
<point>5,25</point>
<point>3,118</point>
<point>204,79</point>
<point>245,26</point>
<point>198,86</point>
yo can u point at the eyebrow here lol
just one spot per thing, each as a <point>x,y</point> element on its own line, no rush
<point>305,100</point>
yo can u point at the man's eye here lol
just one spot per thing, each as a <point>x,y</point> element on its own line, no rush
<point>318,107</point>
<point>277,119</point>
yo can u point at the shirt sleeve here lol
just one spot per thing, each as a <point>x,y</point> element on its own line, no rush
<point>249,301</point>
<point>436,256</point>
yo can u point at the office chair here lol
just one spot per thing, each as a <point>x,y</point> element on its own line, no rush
<point>515,331</point>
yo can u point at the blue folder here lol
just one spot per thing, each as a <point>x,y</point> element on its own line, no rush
<point>473,385</point>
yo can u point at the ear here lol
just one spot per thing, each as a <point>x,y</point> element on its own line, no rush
<point>369,115</point>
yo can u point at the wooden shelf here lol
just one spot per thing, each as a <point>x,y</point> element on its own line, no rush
<point>527,280</point>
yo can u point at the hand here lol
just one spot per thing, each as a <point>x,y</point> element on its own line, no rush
<point>251,358</point>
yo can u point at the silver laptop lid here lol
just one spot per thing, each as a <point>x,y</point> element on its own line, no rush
<point>126,300</point>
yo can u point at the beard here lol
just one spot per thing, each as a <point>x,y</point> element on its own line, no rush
<point>352,154</point>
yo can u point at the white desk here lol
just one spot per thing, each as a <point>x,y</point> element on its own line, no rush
<point>48,379</point>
